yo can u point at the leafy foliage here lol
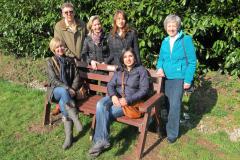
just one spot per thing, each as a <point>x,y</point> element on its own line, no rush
<point>214,25</point>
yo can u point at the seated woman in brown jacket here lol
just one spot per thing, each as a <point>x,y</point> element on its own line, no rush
<point>63,83</point>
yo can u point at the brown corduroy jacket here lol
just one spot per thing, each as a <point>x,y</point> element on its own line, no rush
<point>74,41</point>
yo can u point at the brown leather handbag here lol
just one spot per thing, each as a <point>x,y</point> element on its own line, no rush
<point>131,111</point>
<point>83,92</point>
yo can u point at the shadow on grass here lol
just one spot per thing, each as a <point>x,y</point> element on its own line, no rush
<point>152,147</point>
<point>83,132</point>
<point>200,102</point>
<point>128,136</point>
<point>124,139</point>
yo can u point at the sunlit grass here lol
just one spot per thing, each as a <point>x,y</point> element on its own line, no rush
<point>216,104</point>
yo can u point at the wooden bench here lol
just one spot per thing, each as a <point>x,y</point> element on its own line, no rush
<point>88,106</point>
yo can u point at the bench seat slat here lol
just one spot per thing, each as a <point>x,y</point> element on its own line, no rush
<point>89,105</point>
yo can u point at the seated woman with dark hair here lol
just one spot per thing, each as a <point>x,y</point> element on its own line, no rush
<point>136,86</point>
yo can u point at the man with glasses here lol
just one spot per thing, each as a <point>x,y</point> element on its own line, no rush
<point>70,30</point>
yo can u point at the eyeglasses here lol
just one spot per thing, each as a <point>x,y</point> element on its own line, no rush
<point>68,12</point>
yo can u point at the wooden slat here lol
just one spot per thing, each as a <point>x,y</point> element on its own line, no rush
<point>103,67</point>
<point>98,88</point>
<point>89,106</point>
<point>95,76</point>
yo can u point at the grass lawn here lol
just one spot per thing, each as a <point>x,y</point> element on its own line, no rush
<point>22,136</point>
<point>214,109</point>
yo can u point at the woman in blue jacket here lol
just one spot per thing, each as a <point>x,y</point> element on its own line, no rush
<point>177,63</point>
<point>136,84</point>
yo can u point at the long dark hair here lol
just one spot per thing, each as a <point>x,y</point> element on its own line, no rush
<point>115,28</point>
<point>128,49</point>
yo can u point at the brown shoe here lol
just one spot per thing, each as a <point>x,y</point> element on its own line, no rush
<point>56,110</point>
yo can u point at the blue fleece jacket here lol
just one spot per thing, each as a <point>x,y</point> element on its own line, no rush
<point>174,64</point>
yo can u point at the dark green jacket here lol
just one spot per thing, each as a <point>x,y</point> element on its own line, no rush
<point>71,73</point>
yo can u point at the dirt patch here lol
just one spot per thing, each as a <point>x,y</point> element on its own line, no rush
<point>17,136</point>
<point>23,70</point>
<point>211,147</point>
<point>234,135</point>
<point>185,139</point>
<point>206,144</point>
<point>40,129</point>
<point>208,125</point>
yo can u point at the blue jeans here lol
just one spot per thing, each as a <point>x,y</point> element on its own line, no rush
<point>174,94</point>
<point>105,112</point>
<point>62,96</point>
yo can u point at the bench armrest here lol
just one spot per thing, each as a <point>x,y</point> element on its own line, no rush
<point>151,102</point>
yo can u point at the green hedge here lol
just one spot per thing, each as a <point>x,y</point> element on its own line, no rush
<point>26,27</point>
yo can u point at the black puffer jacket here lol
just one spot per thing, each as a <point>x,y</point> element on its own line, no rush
<point>91,51</point>
<point>71,74</point>
<point>117,44</point>
<point>136,84</point>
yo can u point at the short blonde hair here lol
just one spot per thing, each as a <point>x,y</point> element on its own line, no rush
<point>67,5</point>
<point>90,22</point>
<point>172,18</point>
<point>54,43</point>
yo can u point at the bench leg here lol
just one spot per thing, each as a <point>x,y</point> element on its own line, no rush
<point>93,127</point>
<point>142,136</point>
<point>160,125</point>
<point>46,116</point>
<point>157,117</point>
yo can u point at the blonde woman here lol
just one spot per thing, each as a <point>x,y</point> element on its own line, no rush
<point>63,82</point>
<point>95,44</point>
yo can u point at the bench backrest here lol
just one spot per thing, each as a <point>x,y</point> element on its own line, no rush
<point>97,80</point>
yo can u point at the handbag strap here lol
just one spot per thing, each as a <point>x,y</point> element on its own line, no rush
<point>185,53</point>
<point>123,86</point>
<point>55,63</point>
